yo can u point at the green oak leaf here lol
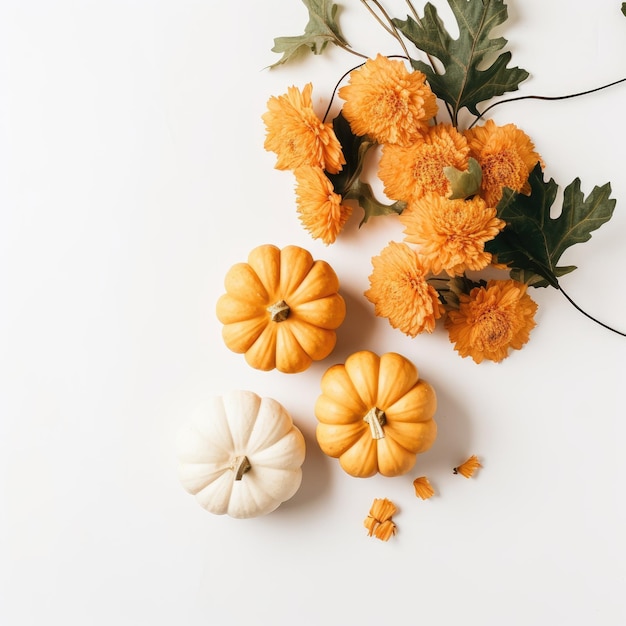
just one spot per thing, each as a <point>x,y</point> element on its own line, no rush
<point>467,76</point>
<point>464,183</point>
<point>354,149</point>
<point>320,30</point>
<point>532,242</point>
<point>348,181</point>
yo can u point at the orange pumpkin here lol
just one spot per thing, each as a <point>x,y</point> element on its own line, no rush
<point>375,414</point>
<point>281,309</point>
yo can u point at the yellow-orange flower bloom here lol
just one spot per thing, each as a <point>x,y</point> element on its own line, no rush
<point>409,172</point>
<point>451,233</point>
<point>320,208</point>
<point>298,136</point>
<point>399,291</point>
<point>491,320</point>
<point>506,156</point>
<point>467,468</point>
<point>387,102</point>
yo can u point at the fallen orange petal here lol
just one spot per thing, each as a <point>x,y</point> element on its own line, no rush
<point>385,530</point>
<point>378,522</point>
<point>382,509</point>
<point>423,488</point>
<point>370,523</point>
<point>468,468</point>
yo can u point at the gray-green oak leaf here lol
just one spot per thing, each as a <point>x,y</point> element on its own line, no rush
<point>320,30</point>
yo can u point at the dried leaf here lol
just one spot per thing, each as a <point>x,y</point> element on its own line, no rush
<point>320,30</point>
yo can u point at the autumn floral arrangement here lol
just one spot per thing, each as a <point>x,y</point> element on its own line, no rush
<point>475,206</point>
<point>470,194</point>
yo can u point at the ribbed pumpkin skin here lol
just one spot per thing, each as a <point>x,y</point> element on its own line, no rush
<point>310,290</point>
<point>391,384</point>
<point>232,427</point>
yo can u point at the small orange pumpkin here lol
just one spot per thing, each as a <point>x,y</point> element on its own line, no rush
<point>281,309</point>
<point>375,414</point>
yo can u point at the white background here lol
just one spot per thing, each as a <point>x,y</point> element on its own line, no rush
<point>132,176</point>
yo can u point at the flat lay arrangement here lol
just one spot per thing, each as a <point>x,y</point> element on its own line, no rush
<point>479,236</point>
<point>312,312</point>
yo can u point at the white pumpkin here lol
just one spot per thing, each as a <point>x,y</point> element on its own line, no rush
<point>241,455</point>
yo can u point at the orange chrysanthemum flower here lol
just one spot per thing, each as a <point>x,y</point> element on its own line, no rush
<point>298,136</point>
<point>451,233</point>
<point>506,156</point>
<point>423,488</point>
<point>379,523</point>
<point>408,172</point>
<point>491,320</point>
<point>467,468</point>
<point>387,102</point>
<point>320,208</point>
<point>399,291</point>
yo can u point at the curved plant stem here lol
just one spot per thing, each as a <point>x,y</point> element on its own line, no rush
<point>593,319</point>
<point>415,15</point>
<point>565,97</point>
<point>369,8</point>
<point>347,48</point>
<point>390,28</point>
<point>394,30</point>
<point>334,93</point>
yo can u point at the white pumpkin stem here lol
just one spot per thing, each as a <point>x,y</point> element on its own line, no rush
<point>376,420</point>
<point>241,465</point>
<point>279,311</point>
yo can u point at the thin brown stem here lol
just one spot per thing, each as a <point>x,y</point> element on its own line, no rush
<point>395,32</point>
<point>551,98</point>
<point>415,14</point>
<point>390,28</point>
<point>593,319</point>
<point>377,18</point>
<point>350,50</point>
<point>334,93</point>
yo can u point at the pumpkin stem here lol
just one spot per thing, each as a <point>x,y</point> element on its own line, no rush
<point>376,420</point>
<point>279,311</point>
<point>241,465</point>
